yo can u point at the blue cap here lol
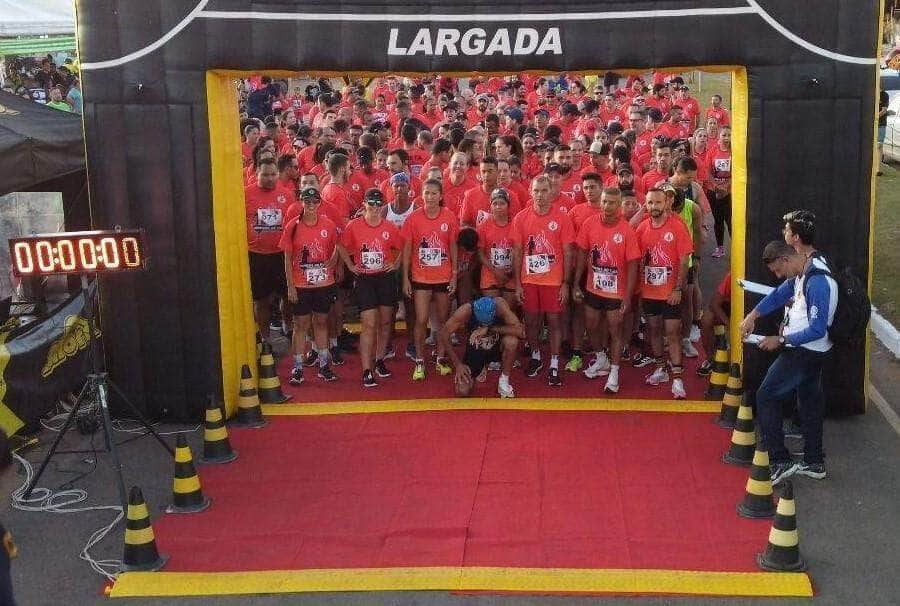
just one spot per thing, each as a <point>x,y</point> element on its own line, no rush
<point>399,178</point>
<point>484,309</point>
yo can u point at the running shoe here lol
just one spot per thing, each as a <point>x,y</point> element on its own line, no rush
<point>534,367</point>
<point>599,367</point>
<point>326,374</point>
<point>658,376</point>
<point>381,370</point>
<point>369,379</point>
<point>782,470</point>
<point>718,253</point>
<point>705,369</point>
<point>419,372</point>
<point>442,367</point>
<point>553,378</point>
<point>574,364</point>
<point>688,348</point>
<point>815,471</point>
<point>612,383</point>
<point>389,353</point>
<point>336,357</point>
<point>678,391</point>
<point>639,360</point>
<point>296,377</point>
<point>505,390</point>
<point>311,358</point>
<point>411,351</point>
<point>494,367</point>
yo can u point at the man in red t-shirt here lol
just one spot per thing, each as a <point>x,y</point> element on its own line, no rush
<point>665,247</point>
<point>267,207</point>
<point>674,127</point>
<point>663,168</point>
<point>542,263</point>
<point>310,244</point>
<point>718,112</point>
<point>476,202</point>
<point>607,247</point>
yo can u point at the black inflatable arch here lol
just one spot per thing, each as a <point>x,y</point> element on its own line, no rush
<point>162,145</point>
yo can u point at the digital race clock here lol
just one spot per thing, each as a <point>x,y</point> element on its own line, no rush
<point>79,252</point>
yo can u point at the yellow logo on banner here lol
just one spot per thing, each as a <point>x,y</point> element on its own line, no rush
<point>75,338</point>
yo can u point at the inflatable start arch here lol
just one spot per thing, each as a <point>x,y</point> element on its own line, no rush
<point>163,146</point>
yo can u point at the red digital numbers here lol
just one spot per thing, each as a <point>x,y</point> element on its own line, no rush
<point>78,252</point>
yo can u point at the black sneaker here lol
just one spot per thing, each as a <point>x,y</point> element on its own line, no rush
<point>296,377</point>
<point>553,379</point>
<point>336,358</point>
<point>369,379</point>
<point>815,471</point>
<point>639,360</point>
<point>782,470</point>
<point>705,369</point>
<point>534,367</point>
<point>381,370</point>
<point>311,357</point>
<point>326,374</point>
<point>411,351</point>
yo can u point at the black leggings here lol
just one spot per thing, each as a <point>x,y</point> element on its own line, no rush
<point>721,210</point>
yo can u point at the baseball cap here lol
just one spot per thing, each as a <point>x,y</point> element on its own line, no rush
<point>596,148</point>
<point>399,178</point>
<point>515,113</point>
<point>374,197</point>
<point>624,168</point>
<point>542,111</point>
<point>484,309</point>
<point>499,192</point>
<point>483,97</point>
<point>668,188</point>
<point>553,167</point>
<point>310,193</point>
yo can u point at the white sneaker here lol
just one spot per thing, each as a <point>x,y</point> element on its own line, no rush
<point>688,348</point>
<point>695,333</point>
<point>612,383</point>
<point>599,367</point>
<point>505,390</point>
<point>678,391</point>
<point>657,376</point>
<point>494,366</point>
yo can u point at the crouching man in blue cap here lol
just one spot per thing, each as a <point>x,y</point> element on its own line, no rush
<point>494,333</point>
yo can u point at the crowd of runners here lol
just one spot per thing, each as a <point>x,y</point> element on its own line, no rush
<point>549,222</point>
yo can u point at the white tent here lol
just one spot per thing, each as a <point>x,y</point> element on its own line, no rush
<point>36,17</point>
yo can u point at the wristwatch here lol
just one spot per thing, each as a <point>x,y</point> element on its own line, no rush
<point>781,340</point>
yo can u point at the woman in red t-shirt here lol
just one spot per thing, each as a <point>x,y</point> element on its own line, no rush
<point>495,252</point>
<point>719,166</point>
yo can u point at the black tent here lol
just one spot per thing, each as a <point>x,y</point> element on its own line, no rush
<point>42,149</point>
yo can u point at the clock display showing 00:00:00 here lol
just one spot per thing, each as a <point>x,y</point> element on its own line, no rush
<point>81,254</point>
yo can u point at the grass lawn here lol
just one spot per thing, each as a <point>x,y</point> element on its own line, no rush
<point>886,286</point>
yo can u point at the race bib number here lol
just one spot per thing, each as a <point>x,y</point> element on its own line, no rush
<point>268,219</point>
<point>481,217</point>
<point>372,260</point>
<point>656,276</point>
<point>723,165</point>
<point>316,275</point>
<point>500,257</point>
<point>537,264</point>
<point>606,279</point>
<point>430,257</point>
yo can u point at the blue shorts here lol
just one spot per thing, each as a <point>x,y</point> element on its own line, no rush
<point>881,132</point>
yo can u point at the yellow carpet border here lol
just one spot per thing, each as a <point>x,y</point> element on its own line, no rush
<point>526,580</point>
<point>534,404</point>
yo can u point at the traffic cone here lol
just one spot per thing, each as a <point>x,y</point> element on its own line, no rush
<point>718,379</point>
<point>783,551</point>
<point>249,413</point>
<point>216,447</point>
<point>758,501</point>
<point>733,398</point>
<point>186,494</point>
<point>269,385</point>
<point>743,439</point>
<point>140,553</point>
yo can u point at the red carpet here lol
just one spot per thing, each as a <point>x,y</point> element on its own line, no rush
<point>401,385</point>
<point>515,489</point>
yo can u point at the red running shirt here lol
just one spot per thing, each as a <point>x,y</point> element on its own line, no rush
<point>543,239</point>
<point>372,249</point>
<point>430,261</point>
<point>309,248</point>
<point>496,242</point>
<point>662,249</point>
<point>609,250</point>
<point>266,213</point>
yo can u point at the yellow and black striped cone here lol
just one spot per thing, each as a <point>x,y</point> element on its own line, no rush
<point>216,447</point>
<point>140,553</point>
<point>758,502</point>
<point>269,385</point>
<point>743,439</point>
<point>733,398</point>
<point>783,551</point>
<point>718,379</point>
<point>249,413</point>
<point>187,497</point>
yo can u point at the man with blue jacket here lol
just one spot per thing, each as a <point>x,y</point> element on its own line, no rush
<point>809,301</point>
